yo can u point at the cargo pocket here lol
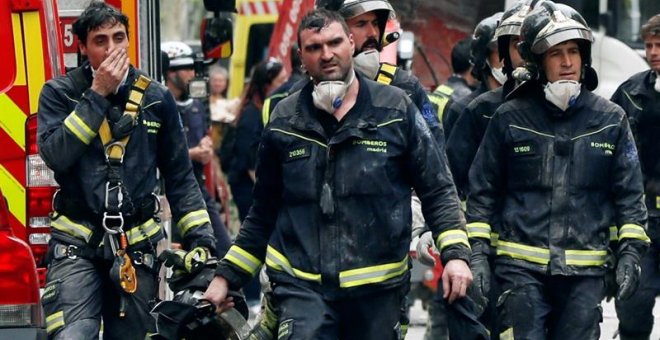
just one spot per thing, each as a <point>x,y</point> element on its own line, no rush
<point>299,173</point>
<point>52,308</point>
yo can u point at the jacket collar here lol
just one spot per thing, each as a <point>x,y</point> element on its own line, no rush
<point>358,118</point>
<point>645,86</point>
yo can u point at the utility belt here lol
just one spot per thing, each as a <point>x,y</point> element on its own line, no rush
<point>133,214</point>
<point>139,257</point>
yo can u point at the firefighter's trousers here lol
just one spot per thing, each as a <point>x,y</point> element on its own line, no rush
<point>535,306</point>
<point>305,314</point>
<point>636,314</point>
<point>79,293</point>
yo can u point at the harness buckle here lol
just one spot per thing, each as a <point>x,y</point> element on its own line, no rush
<point>110,229</point>
<point>70,252</point>
<point>108,150</point>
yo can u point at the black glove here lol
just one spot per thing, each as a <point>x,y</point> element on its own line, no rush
<point>481,279</point>
<point>611,286</point>
<point>628,272</point>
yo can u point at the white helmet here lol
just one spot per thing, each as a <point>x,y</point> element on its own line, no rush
<point>180,54</point>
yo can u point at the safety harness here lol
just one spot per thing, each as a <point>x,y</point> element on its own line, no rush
<point>116,200</point>
<point>386,74</point>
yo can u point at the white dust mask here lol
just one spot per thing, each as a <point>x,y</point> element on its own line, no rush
<point>562,93</point>
<point>329,95</point>
<point>498,75</point>
<point>367,63</point>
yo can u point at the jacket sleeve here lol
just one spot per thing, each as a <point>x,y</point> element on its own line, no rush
<point>486,184</point>
<point>182,190</point>
<point>247,254</point>
<point>64,134</point>
<point>627,191</point>
<point>434,187</point>
<point>428,110</point>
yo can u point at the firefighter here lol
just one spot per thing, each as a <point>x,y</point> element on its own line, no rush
<point>556,167</point>
<point>331,214</point>
<point>486,68</point>
<point>461,83</point>
<point>104,129</point>
<point>640,98</point>
<point>195,118</point>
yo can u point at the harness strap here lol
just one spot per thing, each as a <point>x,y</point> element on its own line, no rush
<point>386,74</point>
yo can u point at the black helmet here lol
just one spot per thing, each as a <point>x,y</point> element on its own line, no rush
<point>483,43</point>
<point>550,24</point>
<point>382,8</point>
<point>509,26</point>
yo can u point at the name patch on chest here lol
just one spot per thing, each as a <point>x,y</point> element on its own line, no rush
<point>297,153</point>
<point>523,149</point>
<point>608,148</point>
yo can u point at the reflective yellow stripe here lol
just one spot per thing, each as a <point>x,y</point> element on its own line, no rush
<point>444,90</point>
<point>507,334</point>
<point>192,219</point>
<point>478,229</point>
<point>450,237</point>
<point>386,74</point>
<point>34,57</point>
<point>18,50</point>
<point>143,231</point>
<point>54,321</point>
<point>586,257</point>
<point>266,109</point>
<point>633,231</point>
<point>523,252</point>
<point>12,120</point>
<point>277,261</point>
<point>244,260</point>
<point>300,136</point>
<point>657,202</point>
<point>373,274</point>
<point>14,192</point>
<point>78,127</point>
<point>614,233</point>
<point>390,122</point>
<point>494,238</point>
<point>64,224</point>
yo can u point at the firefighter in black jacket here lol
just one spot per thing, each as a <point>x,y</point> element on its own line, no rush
<point>104,129</point>
<point>560,166</point>
<point>331,215</point>
<point>639,96</point>
<point>486,67</point>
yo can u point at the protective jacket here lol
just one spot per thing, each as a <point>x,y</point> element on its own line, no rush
<point>562,179</point>
<point>455,88</point>
<point>455,108</point>
<point>468,131</point>
<point>333,212</point>
<point>642,104</point>
<point>68,140</point>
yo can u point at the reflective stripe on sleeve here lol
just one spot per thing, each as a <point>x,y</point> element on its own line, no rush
<point>193,219</point>
<point>494,238</point>
<point>586,257</point>
<point>142,232</point>
<point>507,334</point>
<point>242,259</point>
<point>523,252</point>
<point>78,127</point>
<point>450,237</point>
<point>614,233</point>
<point>633,231</point>
<point>373,274</point>
<point>64,224</point>
<point>279,262</point>
<point>54,322</point>
<point>478,229</point>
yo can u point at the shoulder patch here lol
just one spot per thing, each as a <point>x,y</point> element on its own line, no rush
<point>429,116</point>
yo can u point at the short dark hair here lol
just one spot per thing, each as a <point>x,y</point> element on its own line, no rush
<point>652,27</point>
<point>460,56</point>
<point>318,18</point>
<point>97,14</point>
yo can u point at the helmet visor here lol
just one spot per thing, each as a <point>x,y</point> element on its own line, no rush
<point>556,35</point>
<point>350,10</point>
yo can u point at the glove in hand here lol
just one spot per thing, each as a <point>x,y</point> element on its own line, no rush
<point>424,248</point>
<point>481,279</point>
<point>628,272</point>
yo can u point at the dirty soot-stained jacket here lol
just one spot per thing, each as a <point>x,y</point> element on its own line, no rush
<point>333,212</point>
<point>562,179</point>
